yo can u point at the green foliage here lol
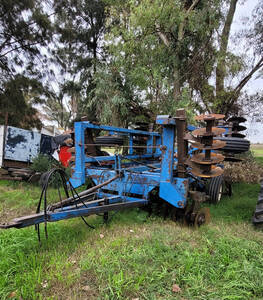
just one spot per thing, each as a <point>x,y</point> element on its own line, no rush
<point>117,105</point>
<point>155,46</point>
<point>16,100</point>
<point>42,163</point>
<point>25,30</point>
<point>163,47</point>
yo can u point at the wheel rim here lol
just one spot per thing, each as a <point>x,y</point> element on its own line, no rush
<point>220,193</point>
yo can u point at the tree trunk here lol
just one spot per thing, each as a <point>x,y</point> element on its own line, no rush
<point>221,66</point>
<point>176,91</point>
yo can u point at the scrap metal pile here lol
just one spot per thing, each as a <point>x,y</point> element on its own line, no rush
<point>148,170</point>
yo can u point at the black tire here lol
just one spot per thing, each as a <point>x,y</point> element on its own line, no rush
<point>234,144</point>
<point>215,189</point>
<point>257,218</point>
<point>228,188</point>
<point>109,140</point>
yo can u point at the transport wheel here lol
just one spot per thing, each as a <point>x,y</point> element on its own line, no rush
<point>215,189</point>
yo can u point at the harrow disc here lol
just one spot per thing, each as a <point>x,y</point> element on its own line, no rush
<point>214,132</point>
<point>215,145</point>
<point>237,119</point>
<point>215,116</point>
<point>213,172</point>
<point>202,217</point>
<point>237,128</point>
<point>201,159</point>
<point>203,163</point>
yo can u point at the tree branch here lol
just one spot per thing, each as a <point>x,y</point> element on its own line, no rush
<point>182,24</point>
<point>221,69</point>
<point>19,47</point>
<point>245,80</point>
<point>193,5</point>
<point>162,36</point>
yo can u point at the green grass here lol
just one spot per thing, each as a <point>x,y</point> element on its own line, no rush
<point>257,150</point>
<point>259,160</point>
<point>134,256</point>
<point>239,207</point>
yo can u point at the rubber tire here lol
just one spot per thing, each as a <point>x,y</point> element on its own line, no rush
<point>215,189</point>
<point>106,140</point>
<point>234,144</point>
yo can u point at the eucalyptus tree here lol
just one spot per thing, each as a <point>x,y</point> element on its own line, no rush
<point>176,53</point>
<point>156,44</point>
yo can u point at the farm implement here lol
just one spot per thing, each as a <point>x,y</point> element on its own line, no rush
<point>170,170</point>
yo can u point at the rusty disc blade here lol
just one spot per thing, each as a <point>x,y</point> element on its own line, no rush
<point>214,132</point>
<point>200,158</point>
<point>239,128</point>
<point>216,145</point>
<point>237,119</point>
<point>214,172</point>
<point>215,116</point>
<point>202,217</point>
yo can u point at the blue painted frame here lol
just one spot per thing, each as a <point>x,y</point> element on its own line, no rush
<point>171,189</point>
